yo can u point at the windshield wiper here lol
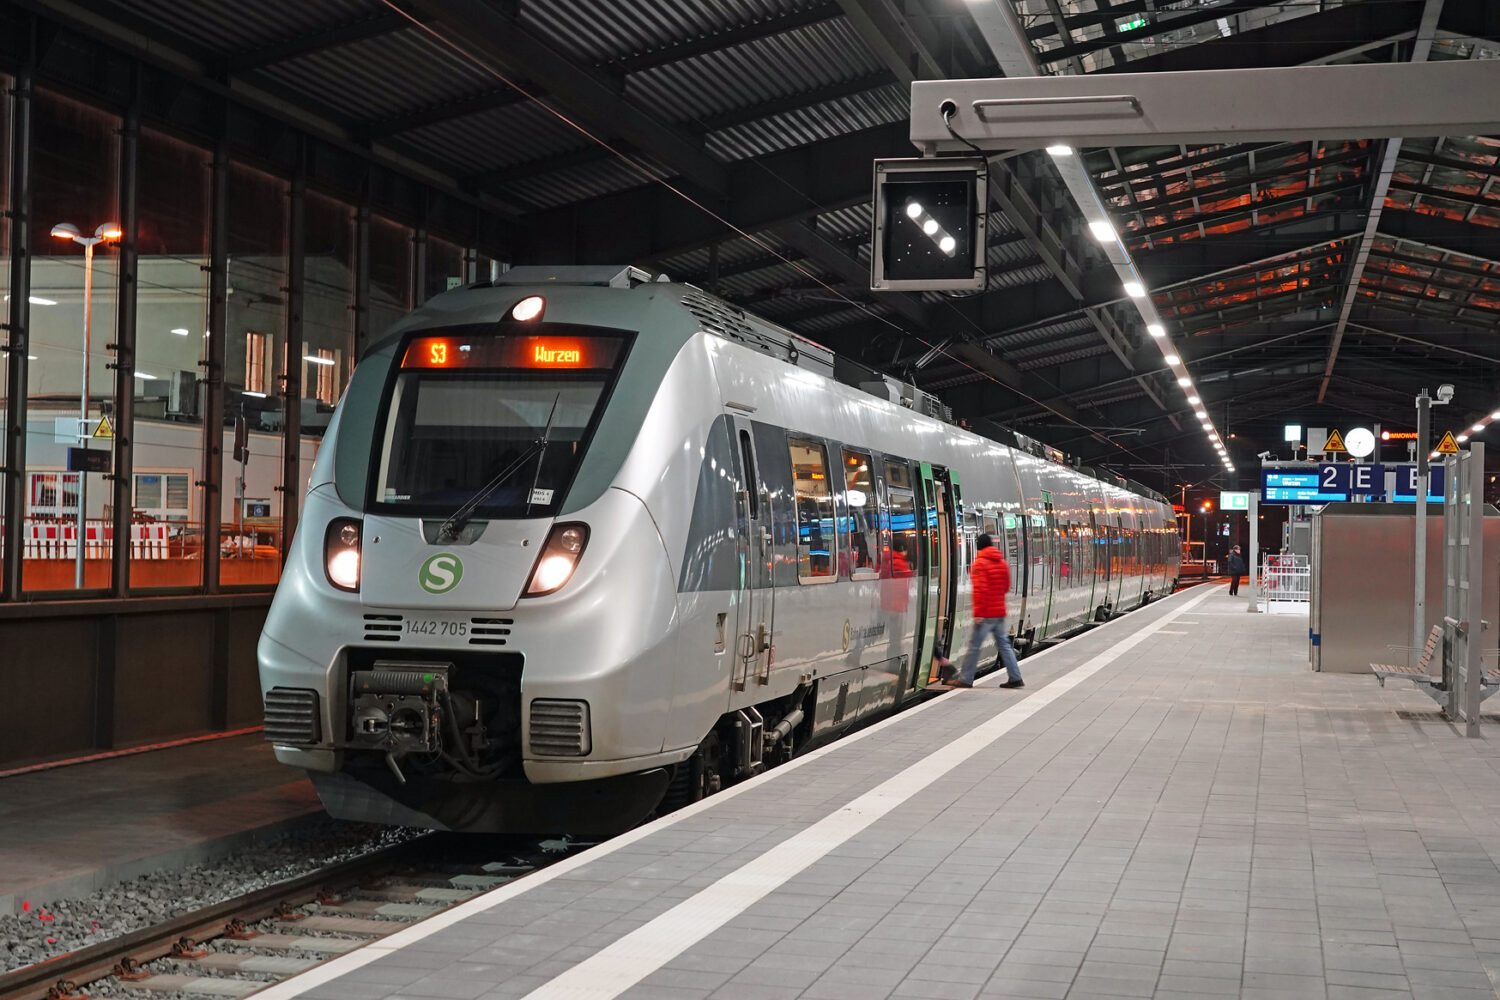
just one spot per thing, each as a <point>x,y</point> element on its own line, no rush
<point>465,513</point>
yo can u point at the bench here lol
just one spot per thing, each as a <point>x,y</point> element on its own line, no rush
<point>1420,672</point>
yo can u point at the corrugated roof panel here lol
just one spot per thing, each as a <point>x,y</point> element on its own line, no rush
<point>742,76</point>
<point>598,31</point>
<point>559,187</point>
<point>1052,332</point>
<point>235,27</point>
<point>502,137</point>
<point>807,125</point>
<point>383,76</point>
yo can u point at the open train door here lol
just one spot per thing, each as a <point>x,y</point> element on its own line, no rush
<point>938,572</point>
<point>756,614</point>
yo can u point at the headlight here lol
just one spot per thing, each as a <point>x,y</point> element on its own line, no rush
<point>554,567</point>
<point>341,553</point>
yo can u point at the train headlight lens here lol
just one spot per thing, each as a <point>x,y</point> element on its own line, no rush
<point>341,553</point>
<point>554,567</point>
<point>528,308</point>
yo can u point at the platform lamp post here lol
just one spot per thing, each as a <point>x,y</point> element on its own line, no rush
<point>67,231</point>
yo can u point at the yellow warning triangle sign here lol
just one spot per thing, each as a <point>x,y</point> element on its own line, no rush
<point>1447,446</point>
<point>104,430</point>
<point>1335,442</point>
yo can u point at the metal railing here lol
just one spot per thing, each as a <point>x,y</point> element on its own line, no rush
<point>1285,584</point>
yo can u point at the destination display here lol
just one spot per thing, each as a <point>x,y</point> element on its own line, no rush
<point>1299,486</point>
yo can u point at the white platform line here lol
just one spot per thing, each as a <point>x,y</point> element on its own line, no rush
<point>344,964</point>
<point>622,965</point>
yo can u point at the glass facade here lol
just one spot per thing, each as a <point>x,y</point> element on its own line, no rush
<point>358,278</point>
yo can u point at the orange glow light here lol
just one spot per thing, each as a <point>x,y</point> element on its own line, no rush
<point>437,352</point>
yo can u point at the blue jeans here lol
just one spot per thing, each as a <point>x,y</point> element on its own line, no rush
<point>989,627</point>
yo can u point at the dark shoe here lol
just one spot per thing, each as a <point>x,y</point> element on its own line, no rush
<point>1013,684</point>
<point>946,670</point>
<point>959,682</point>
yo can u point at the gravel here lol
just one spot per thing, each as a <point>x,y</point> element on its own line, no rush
<point>56,927</point>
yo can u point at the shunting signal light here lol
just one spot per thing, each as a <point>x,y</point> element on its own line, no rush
<point>929,225</point>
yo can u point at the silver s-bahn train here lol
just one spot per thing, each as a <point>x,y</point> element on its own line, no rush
<point>580,545</point>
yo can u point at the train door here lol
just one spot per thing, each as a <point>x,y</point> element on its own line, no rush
<point>756,620</point>
<point>938,579</point>
<point>1099,545</point>
<point>1045,556</point>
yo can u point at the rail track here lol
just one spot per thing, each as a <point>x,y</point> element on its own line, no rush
<point>241,945</point>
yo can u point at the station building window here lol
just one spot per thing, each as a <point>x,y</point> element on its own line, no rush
<point>5,148</point>
<point>173,191</point>
<point>328,309</point>
<point>813,494</point>
<point>75,175</point>
<point>390,275</point>
<point>445,267</point>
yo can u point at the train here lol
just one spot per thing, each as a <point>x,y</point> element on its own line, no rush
<point>583,545</point>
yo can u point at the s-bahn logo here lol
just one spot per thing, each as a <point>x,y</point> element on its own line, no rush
<point>441,573</point>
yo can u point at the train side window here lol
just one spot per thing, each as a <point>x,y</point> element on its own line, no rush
<point>991,526</point>
<point>898,474</point>
<point>752,485</point>
<point>861,530</point>
<point>816,540</point>
<point>904,542</point>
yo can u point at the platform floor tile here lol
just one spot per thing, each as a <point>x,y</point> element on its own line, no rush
<point>1199,816</point>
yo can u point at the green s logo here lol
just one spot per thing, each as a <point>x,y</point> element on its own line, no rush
<point>440,573</point>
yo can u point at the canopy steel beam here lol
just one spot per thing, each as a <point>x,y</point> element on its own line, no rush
<point>821,250</point>
<point>485,34</point>
<point>1233,105</point>
<point>1378,190</point>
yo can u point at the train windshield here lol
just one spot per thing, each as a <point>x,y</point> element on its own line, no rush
<point>495,423</point>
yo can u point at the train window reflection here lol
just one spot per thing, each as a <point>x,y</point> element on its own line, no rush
<point>816,541</point>
<point>903,534</point>
<point>861,530</point>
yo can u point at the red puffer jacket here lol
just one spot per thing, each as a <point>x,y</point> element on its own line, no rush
<point>991,578</point>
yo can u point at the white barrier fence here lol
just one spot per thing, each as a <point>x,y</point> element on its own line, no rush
<point>1286,585</point>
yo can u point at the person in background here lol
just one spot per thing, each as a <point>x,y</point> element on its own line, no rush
<point>1236,570</point>
<point>990,575</point>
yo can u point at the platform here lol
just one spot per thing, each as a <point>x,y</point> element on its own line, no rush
<point>1174,806</point>
<point>66,831</point>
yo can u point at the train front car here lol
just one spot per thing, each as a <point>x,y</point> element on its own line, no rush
<point>475,628</point>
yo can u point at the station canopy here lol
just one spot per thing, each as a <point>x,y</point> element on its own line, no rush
<point>730,145</point>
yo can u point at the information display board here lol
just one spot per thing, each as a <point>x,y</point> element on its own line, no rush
<point>1297,486</point>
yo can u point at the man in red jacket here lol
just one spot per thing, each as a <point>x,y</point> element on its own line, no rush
<point>990,576</point>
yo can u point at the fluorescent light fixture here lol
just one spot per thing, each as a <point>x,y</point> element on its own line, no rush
<point>1156,329</point>
<point>145,375</point>
<point>1461,439</point>
<point>1135,289</point>
<point>1102,230</point>
<point>257,395</point>
<point>1194,400</point>
<point>1184,381</point>
<point>1059,149</point>
<point>1477,427</point>
<point>181,331</point>
<point>317,360</point>
<point>1173,359</point>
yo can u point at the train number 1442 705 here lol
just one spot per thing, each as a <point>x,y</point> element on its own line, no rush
<point>436,626</point>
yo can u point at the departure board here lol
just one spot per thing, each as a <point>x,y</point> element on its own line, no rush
<point>1278,486</point>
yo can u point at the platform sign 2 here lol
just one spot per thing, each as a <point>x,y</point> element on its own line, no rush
<point>1356,480</point>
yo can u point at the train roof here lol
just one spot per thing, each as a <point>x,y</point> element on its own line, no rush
<point>731,322</point>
